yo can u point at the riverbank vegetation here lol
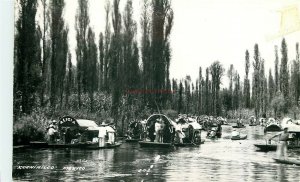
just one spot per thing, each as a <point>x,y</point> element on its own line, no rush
<point>121,78</point>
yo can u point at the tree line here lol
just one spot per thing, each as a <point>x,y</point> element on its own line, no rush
<point>44,76</point>
<point>274,93</point>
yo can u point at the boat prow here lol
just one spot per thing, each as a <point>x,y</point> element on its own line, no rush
<point>266,148</point>
<point>287,161</point>
<point>155,144</point>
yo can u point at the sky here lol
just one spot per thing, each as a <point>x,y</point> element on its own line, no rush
<point>208,30</point>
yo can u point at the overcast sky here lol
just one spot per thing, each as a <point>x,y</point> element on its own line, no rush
<point>208,30</point>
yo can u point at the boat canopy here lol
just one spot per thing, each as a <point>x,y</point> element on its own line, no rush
<point>67,121</point>
<point>294,129</point>
<point>287,122</point>
<point>108,129</point>
<point>189,122</point>
<point>151,120</point>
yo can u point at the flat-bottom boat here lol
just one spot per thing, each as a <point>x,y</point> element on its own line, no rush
<point>155,144</point>
<point>131,140</point>
<point>239,126</point>
<point>241,137</point>
<point>188,144</point>
<point>287,161</point>
<point>107,146</point>
<point>272,147</point>
<point>76,145</point>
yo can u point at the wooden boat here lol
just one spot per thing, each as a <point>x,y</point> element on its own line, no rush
<point>152,138</point>
<point>108,146</point>
<point>79,133</point>
<point>135,132</point>
<point>241,137</point>
<point>272,147</point>
<point>77,145</point>
<point>155,144</point>
<point>266,147</point>
<point>132,140</point>
<point>188,144</point>
<point>239,126</point>
<point>294,140</point>
<point>287,161</point>
<point>272,125</point>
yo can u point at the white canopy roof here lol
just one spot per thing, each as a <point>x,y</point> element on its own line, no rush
<point>86,123</point>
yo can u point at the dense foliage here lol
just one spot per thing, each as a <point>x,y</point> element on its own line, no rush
<point>121,78</point>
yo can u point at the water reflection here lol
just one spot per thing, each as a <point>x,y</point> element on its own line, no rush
<point>216,160</point>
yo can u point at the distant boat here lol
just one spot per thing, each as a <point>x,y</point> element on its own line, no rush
<point>243,126</point>
<point>136,130</point>
<point>272,125</point>
<point>252,121</point>
<point>240,137</point>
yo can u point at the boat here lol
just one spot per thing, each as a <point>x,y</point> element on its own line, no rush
<point>266,147</point>
<point>252,121</point>
<point>240,137</point>
<point>272,125</point>
<point>214,133</point>
<point>80,133</point>
<point>132,140</point>
<point>189,144</point>
<point>293,141</point>
<point>287,161</point>
<point>136,130</point>
<point>188,132</point>
<point>155,144</point>
<point>167,133</point>
<point>36,144</point>
<point>262,121</point>
<point>243,126</point>
<point>273,147</point>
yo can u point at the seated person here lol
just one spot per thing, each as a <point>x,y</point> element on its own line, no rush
<point>235,133</point>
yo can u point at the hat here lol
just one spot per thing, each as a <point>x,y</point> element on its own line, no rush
<point>285,128</point>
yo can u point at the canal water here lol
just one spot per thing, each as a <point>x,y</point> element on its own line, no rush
<point>216,160</point>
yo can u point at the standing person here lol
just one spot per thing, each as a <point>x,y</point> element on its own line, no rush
<point>51,133</point>
<point>179,134</point>
<point>157,129</point>
<point>282,144</point>
<point>162,129</point>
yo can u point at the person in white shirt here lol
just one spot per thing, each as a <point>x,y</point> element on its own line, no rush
<point>179,133</point>
<point>51,133</point>
<point>157,130</point>
<point>235,133</point>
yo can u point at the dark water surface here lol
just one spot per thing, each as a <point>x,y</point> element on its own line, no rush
<point>216,160</point>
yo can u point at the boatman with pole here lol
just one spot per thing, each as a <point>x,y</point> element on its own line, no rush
<point>282,144</point>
